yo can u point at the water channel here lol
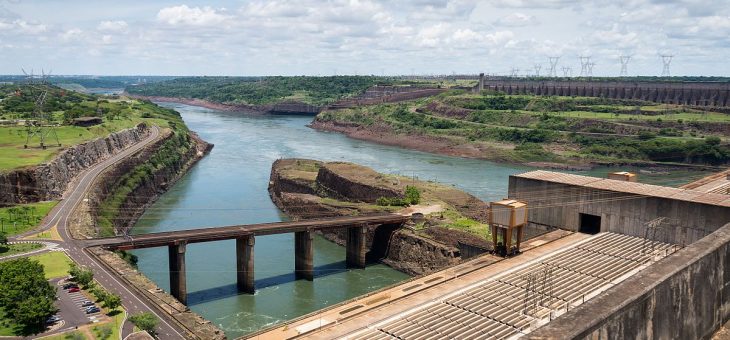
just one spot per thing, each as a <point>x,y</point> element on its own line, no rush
<point>229,186</point>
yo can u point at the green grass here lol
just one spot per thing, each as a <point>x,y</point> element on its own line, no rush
<point>13,225</point>
<point>67,336</point>
<point>684,116</point>
<point>19,248</point>
<point>13,155</point>
<point>466,224</point>
<point>55,264</point>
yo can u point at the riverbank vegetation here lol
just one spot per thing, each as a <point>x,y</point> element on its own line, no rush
<point>525,129</point>
<point>170,154</point>
<point>259,90</point>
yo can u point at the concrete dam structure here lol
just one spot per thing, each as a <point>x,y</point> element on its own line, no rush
<point>700,94</point>
<point>613,273</point>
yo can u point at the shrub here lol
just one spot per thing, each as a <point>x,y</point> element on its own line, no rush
<point>145,321</point>
<point>413,195</point>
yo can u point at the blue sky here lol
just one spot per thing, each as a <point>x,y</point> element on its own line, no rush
<point>362,36</point>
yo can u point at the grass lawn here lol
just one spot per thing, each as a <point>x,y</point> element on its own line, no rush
<point>16,223</point>
<point>55,263</point>
<point>19,248</point>
<point>12,139</point>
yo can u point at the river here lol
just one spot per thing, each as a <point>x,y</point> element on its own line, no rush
<point>229,186</point>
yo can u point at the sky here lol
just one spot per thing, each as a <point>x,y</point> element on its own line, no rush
<point>309,37</point>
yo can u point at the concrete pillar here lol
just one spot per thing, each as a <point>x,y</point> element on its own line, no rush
<point>481,82</point>
<point>304,255</point>
<point>356,247</point>
<point>176,255</point>
<point>244,264</point>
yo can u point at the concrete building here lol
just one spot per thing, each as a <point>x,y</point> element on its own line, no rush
<point>592,205</point>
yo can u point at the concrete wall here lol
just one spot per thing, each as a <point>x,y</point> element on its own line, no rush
<point>683,296</point>
<point>559,205</point>
<point>694,94</point>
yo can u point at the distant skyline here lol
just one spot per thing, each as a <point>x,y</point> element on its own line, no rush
<point>362,37</point>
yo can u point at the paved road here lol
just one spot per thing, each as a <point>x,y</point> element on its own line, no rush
<point>59,217</point>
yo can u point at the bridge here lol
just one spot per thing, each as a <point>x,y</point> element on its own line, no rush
<point>176,242</point>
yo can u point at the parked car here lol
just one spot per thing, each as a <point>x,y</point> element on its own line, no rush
<point>92,309</point>
<point>53,319</point>
<point>70,285</point>
<point>74,289</point>
<point>86,303</point>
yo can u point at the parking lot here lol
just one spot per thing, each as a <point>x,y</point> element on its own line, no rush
<point>72,312</point>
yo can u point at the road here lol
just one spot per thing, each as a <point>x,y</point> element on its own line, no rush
<point>59,216</point>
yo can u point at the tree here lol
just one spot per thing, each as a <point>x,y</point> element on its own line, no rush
<point>25,293</point>
<point>112,301</point>
<point>145,321</point>
<point>82,276</point>
<point>3,239</point>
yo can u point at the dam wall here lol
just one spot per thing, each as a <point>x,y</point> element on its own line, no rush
<point>700,94</point>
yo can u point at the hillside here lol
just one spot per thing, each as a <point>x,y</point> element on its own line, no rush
<point>258,90</point>
<point>63,106</point>
<point>541,130</point>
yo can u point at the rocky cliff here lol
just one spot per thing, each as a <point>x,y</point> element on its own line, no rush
<point>49,181</point>
<point>312,189</point>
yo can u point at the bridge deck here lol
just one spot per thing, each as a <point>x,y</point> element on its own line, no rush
<point>232,232</point>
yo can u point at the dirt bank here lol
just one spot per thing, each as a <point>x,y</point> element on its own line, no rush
<point>383,134</point>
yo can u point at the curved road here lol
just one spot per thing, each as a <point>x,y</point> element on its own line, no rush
<point>59,217</point>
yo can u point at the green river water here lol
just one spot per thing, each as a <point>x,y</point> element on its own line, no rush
<point>229,186</point>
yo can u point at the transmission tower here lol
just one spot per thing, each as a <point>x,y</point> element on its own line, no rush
<point>624,65</point>
<point>553,64</point>
<point>567,72</point>
<point>514,72</point>
<point>40,125</point>
<point>590,69</point>
<point>666,60</point>
<point>538,67</point>
<point>585,62</point>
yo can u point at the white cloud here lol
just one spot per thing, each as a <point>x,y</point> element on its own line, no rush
<point>516,19</point>
<point>71,34</point>
<point>316,37</point>
<point>195,16</point>
<point>112,26</point>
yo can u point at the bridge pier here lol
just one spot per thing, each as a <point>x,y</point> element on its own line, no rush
<point>244,264</point>
<point>176,256</point>
<point>356,246</point>
<point>304,255</point>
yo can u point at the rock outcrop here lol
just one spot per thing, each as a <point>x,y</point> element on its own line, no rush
<point>49,181</point>
<point>312,189</point>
